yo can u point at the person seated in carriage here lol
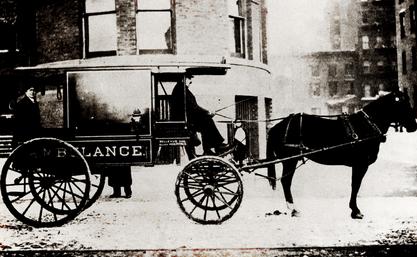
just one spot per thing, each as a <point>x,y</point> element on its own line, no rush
<point>199,119</point>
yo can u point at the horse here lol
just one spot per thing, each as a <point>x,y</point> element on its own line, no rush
<point>352,140</point>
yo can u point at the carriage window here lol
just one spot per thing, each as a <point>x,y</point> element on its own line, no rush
<point>51,106</point>
<point>110,102</point>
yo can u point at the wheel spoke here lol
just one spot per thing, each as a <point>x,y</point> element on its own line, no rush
<point>205,210</point>
<point>223,201</point>
<point>27,208</point>
<point>65,191</point>
<point>214,205</point>
<point>195,194</point>
<point>73,194</point>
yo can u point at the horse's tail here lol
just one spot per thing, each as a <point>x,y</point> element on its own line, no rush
<point>270,155</point>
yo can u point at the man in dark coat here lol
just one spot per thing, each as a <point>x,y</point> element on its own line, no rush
<point>198,118</point>
<point>27,117</point>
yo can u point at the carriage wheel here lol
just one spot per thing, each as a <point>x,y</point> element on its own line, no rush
<point>98,181</point>
<point>209,190</point>
<point>45,182</point>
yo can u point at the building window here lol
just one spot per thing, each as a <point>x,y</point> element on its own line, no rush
<point>379,42</point>
<point>8,42</point>
<point>100,28</point>
<point>350,88</point>
<point>381,87</point>
<point>365,19</point>
<point>154,29</point>
<point>332,88</point>
<point>315,89</point>
<point>393,41</point>
<point>412,20</point>
<point>402,24</point>
<point>380,66</point>
<point>413,58</point>
<point>404,62</point>
<point>315,111</point>
<point>315,71</point>
<point>365,42</point>
<point>237,28</point>
<point>367,91</point>
<point>349,69</point>
<point>366,67</point>
<point>332,70</point>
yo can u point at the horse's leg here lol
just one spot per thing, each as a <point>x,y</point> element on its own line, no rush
<point>357,175</point>
<point>288,170</point>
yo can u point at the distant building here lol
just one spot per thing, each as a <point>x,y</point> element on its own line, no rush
<point>377,47</point>
<point>406,48</point>
<point>333,87</point>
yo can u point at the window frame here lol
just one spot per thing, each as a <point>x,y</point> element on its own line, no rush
<point>86,26</point>
<point>404,62</point>
<point>365,42</point>
<point>333,88</point>
<point>171,48</point>
<point>241,21</point>
<point>402,24</point>
<point>366,67</point>
<point>412,19</point>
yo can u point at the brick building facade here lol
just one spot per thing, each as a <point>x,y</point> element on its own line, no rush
<point>406,48</point>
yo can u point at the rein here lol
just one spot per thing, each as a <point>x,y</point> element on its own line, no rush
<point>266,162</point>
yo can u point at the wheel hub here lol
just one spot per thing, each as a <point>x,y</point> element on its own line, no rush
<point>209,190</point>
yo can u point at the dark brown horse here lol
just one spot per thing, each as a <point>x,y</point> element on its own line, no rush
<point>301,133</point>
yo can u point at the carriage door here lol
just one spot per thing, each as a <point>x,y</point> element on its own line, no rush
<point>247,109</point>
<point>170,126</point>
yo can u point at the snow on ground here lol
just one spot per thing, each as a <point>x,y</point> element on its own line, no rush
<point>151,219</point>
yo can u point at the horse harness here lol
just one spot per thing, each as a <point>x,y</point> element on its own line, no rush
<point>349,129</point>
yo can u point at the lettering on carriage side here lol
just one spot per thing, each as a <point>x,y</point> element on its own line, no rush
<point>137,150</point>
<point>82,150</point>
<point>101,151</point>
<point>124,153</point>
<point>60,152</point>
<point>110,151</point>
<point>98,152</point>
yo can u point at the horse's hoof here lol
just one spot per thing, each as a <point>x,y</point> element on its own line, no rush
<point>356,215</point>
<point>295,213</point>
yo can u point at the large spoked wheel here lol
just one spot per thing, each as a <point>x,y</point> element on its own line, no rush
<point>209,190</point>
<point>98,182</point>
<point>45,182</point>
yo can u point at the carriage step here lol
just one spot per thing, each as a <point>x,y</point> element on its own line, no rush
<point>5,145</point>
<point>16,193</point>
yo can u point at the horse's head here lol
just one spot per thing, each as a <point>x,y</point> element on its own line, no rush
<point>400,110</point>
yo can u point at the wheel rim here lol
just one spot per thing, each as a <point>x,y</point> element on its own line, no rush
<point>97,185</point>
<point>209,190</point>
<point>39,194</point>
